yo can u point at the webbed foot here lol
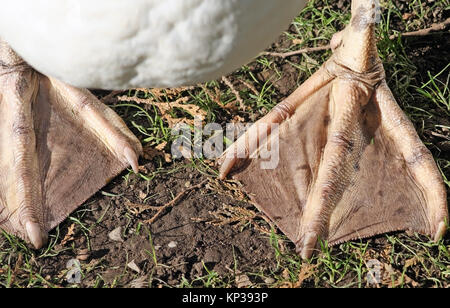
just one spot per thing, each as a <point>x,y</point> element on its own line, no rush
<point>58,146</point>
<point>350,163</point>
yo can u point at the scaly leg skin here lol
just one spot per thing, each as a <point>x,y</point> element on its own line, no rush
<point>58,146</point>
<point>350,162</point>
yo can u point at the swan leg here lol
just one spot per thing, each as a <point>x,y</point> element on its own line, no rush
<point>58,146</point>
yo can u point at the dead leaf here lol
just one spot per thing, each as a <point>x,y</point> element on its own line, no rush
<point>19,263</point>
<point>166,108</point>
<point>407,16</point>
<point>161,146</point>
<point>139,283</point>
<point>229,188</point>
<point>150,153</point>
<point>214,97</point>
<point>143,169</point>
<point>83,254</point>
<point>269,280</point>
<point>134,266</point>
<point>70,235</point>
<point>231,214</point>
<point>239,99</point>
<point>250,86</point>
<point>285,274</point>
<point>170,93</point>
<point>237,119</point>
<point>138,208</point>
<point>306,271</point>
<point>412,261</point>
<point>243,281</point>
<point>116,235</point>
<point>142,195</point>
<point>167,158</point>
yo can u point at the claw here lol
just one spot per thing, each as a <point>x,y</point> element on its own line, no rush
<point>308,245</point>
<point>440,231</point>
<point>132,158</point>
<point>225,168</point>
<point>35,234</point>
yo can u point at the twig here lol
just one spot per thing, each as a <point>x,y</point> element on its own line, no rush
<point>235,92</point>
<point>173,202</point>
<point>423,32</point>
<point>251,87</point>
<point>106,99</point>
<point>215,98</point>
<point>440,135</point>
<point>296,52</point>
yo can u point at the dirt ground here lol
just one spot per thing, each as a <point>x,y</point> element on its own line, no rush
<point>186,239</point>
<point>210,234</point>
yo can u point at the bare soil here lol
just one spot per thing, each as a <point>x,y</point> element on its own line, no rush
<point>211,228</point>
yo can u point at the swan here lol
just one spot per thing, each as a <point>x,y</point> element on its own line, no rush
<point>351,164</point>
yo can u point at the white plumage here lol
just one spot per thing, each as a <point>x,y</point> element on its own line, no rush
<point>117,44</point>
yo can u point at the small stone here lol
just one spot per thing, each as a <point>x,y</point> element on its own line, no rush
<point>172,244</point>
<point>83,254</point>
<point>242,281</point>
<point>134,266</point>
<point>187,184</point>
<point>116,235</point>
<point>269,280</point>
<point>74,271</point>
<point>142,195</point>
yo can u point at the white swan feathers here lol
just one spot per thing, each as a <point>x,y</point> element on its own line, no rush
<point>117,44</point>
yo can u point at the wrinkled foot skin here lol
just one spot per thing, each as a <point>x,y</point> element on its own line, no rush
<point>58,145</point>
<point>350,162</point>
